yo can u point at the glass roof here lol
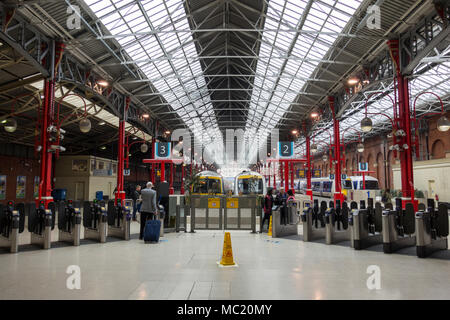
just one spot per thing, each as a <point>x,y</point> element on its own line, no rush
<point>305,52</point>
<point>168,59</point>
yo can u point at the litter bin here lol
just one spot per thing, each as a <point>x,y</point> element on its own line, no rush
<point>99,195</point>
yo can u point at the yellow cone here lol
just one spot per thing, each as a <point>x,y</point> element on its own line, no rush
<point>270,227</point>
<point>227,255</point>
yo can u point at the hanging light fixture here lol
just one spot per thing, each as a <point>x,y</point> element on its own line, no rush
<point>360,147</point>
<point>313,148</point>
<point>144,148</point>
<point>10,125</point>
<point>85,125</point>
<point>443,124</point>
<point>366,124</point>
<point>325,157</point>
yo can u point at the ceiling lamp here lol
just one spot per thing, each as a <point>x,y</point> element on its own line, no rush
<point>313,148</point>
<point>167,132</point>
<point>103,83</point>
<point>366,124</point>
<point>10,125</point>
<point>443,124</point>
<point>101,123</point>
<point>103,148</point>
<point>294,132</point>
<point>85,125</point>
<point>144,148</point>
<point>353,81</point>
<point>145,116</point>
<point>360,147</point>
<point>314,114</point>
<point>325,157</point>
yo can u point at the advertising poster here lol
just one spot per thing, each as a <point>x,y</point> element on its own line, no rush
<point>21,186</point>
<point>36,187</point>
<point>2,187</point>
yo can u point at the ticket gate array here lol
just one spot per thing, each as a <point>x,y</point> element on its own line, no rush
<point>95,220</point>
<point>398,226</point>
<point>12,222</point>
<point>69,222</point>
<point>313,219</point>
<point>336,223</point>
<point>431,229</point>
<point>41,222</point>
<point>119,219</point>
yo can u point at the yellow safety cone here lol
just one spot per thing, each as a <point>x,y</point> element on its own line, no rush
<point>269,233</point>
<point>227,254</point>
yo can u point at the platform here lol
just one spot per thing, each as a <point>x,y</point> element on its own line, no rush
<point>183,266</point>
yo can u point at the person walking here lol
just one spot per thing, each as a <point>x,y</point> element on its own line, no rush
<point>148,207</point>
<point>268,203</point>
<point>136,196</point>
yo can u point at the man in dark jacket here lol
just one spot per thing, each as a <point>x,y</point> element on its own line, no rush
<point>268,203</point>
<point>135,196</point>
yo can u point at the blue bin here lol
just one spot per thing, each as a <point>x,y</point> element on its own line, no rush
<point>99,195</point>
<point>59,194</point>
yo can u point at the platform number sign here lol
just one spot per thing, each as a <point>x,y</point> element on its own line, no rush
<point>363,166</point>
<point>286,149</point>
<point>162,150</point>
<point>126,172</point>
<point>331,176</point>
<point>343,176</point>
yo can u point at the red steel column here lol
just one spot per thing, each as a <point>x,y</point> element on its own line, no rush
<point>337,155</point>
<point>308,167</point>
<point>171,189</point>
<point>163,171</point>
<point>120,193</point>
<point>45,184</point>
<point>182,179</point>
<point>292,176</point>
<point>404,121</point>
<point>286,175</point>
<point>274,176</point>
<point>48,120</point>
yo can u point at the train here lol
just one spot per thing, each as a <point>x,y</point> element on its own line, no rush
<point>325,187</point>
<point>208,182</point>
<point>250,182</point>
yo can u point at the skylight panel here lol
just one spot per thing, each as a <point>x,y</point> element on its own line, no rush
<point>167,15</point>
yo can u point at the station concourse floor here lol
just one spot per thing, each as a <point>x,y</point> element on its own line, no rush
<point>184,266</point>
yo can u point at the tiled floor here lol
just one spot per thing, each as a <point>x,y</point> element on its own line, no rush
<point>184,266</point>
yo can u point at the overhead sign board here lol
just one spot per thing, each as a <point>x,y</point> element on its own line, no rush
<point>162,150</point>
<point>286,149</point>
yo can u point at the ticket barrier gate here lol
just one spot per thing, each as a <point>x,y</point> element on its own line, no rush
<point>41,222</point>
<point>313,220</point>
<point>336,223</point>
<point>398,226</point>
<point>12,222</point>
<point>95,220</point>
<point>290,225</point>
<point>119,219</point>
<point>69,223</point>
<point>366,225</point>
<point>431,229</point>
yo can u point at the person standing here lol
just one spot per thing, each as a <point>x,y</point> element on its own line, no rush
<point>148,207</point>
<point>268,203</point>
<point>135,196</point>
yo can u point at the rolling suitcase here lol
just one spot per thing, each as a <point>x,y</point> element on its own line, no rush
<point>152,230</point>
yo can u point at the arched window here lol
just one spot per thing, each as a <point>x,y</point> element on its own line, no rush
<point>438,150</point>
